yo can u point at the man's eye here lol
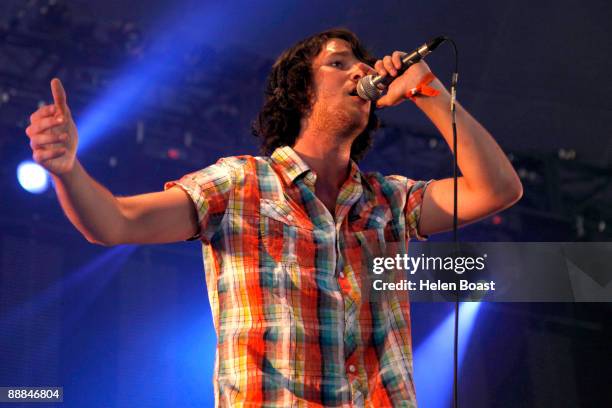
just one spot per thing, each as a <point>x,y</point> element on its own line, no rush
<point>337,64</point>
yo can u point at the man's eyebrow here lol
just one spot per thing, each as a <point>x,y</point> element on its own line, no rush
<point>344,53</point>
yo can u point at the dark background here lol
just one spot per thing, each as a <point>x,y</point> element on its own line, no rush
<point>160,89</point>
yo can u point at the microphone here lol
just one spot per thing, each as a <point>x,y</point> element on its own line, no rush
<point>371,87</point>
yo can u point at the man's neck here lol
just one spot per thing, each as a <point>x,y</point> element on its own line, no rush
<point>329,158</point>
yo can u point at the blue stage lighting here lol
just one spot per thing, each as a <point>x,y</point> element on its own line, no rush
<point>32,177</point>
<point>159,66</point>
<point>433,359</point>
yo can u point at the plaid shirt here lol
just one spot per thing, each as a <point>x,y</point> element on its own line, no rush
<point>283,276</point>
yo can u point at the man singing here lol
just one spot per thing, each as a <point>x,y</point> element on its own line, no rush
<point>287,237</point>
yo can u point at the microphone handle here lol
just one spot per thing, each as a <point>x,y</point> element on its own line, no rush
<point>407,61</point>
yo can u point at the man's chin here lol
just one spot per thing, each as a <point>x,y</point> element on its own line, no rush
<point>343,120</point>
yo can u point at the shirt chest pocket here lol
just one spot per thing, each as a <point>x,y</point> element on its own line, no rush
<point>374,237</point>
<point>287,235</point>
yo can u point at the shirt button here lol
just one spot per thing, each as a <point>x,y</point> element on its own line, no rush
<point>352,368</point>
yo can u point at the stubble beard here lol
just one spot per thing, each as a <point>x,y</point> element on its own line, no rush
<point>337,122</point>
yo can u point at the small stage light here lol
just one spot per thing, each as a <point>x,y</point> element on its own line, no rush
<point>32,177</point>
<point>173,153</point>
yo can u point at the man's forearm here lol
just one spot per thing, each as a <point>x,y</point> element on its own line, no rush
<point>93,210</point>
<point>483,164</point>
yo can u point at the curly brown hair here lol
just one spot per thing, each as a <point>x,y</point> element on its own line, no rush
<point>288,94</point>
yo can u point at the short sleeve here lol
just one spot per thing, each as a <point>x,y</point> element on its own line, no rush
<point>412,211</point>
<point>209,189</point>
<point>412,193</point>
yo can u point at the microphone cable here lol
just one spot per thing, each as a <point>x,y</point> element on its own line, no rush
<point>454,80</point>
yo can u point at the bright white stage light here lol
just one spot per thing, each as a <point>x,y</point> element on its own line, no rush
<point>32,177</point>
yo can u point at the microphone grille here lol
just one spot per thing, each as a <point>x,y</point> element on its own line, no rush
<point>367,90</point>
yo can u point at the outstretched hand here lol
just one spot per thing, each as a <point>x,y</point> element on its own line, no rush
<point>53,133</point>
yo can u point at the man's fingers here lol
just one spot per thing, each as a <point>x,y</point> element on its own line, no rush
<point>42,155</point>
<point>388,64</point>
<point>46,139</point>
<point>43,111</point>
<point>383,102</point>
<point>42,125</point>
<point>396,57</point>
<point>380,68</point>
<point>59,95</point>
<point>388,100</point>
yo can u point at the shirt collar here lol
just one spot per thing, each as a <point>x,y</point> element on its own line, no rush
<point>289,163</point>
<point>292,166</point>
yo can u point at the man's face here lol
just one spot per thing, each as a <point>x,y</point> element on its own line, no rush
<point>336,106</point>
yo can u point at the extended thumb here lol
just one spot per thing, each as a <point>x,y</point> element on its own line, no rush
<point>59,95</point>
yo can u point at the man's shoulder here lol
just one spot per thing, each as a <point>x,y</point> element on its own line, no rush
<point>394,189</point>
<point>244,161</point>
<point>380,182</point>
<point>242,164</point>
<point>240,169</point>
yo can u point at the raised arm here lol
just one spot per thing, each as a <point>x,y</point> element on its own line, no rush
<point>488,183</point>
<point>102,218</point>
